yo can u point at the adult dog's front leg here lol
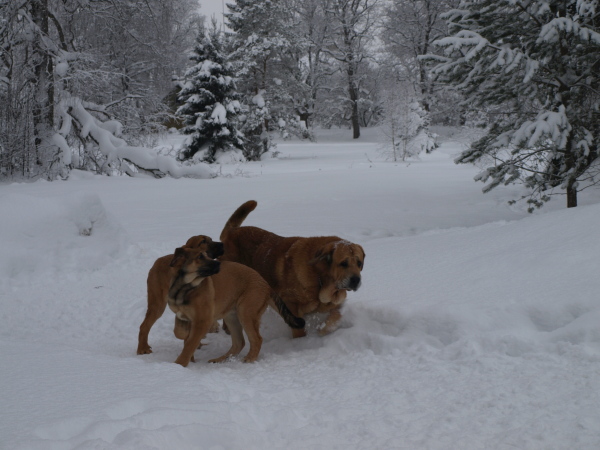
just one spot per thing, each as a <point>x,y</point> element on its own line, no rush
<point>332,322</point>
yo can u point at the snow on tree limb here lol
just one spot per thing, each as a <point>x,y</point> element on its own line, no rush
<point>550,31</point>
<point>115,148</point>
<point>549,124</point>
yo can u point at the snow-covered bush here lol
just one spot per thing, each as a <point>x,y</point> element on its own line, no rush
<point>404,132</point>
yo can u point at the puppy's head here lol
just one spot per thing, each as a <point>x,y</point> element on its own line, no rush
<point>212,248</point>
<point>342,261</point>
<point>194,263</point>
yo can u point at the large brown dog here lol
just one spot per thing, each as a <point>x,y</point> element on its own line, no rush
<point>311,274</point>
<point>240,298</point>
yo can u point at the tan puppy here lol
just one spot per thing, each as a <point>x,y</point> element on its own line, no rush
<point>160,278</point>
<point>240,298</point>
<point>191,296</point>
<point>311,274</point>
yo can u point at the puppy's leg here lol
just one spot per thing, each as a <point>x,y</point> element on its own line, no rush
<point>249,317</point>
<point>182,328</point>
<point>215,327</point>
<point>198,330</point>
<point>332,322</point>
<point>237,337</point>
<point>252,330</point>
<point>156,308</point>
<point>182,331</point>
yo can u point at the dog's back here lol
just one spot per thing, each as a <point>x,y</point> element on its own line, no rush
<point>253,246</point>
<point>159,279</point>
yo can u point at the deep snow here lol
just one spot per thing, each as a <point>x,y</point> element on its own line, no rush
<point>477,325</point>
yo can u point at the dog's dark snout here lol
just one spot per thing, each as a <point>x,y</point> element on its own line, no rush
<point>216,249</point>
<point>211,267</point>
<point>354,282</point>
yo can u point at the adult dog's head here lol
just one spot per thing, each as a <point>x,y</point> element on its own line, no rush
<point>340,263</point>
<point>204,243</point>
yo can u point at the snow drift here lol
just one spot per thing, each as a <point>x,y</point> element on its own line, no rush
<point>476,326</point>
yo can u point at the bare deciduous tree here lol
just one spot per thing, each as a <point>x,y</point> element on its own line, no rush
<point>352,23</point>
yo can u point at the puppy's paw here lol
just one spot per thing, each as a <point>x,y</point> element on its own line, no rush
<point>144,350</point>
<point>182,361</point>
<point>220,359</point>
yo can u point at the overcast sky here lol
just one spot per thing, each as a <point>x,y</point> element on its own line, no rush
<point>210,7</point>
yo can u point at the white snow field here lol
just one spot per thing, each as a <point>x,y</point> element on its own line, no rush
<point>477,325</point>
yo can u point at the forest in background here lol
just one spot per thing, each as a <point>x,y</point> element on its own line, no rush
<point>90,84</point>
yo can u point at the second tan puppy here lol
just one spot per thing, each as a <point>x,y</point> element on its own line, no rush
<point>311,274</point>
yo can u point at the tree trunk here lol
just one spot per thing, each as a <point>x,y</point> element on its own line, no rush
<point>353,94</point>
<point>43,111</point>
<point>572,177</point>
<point>571,195</point>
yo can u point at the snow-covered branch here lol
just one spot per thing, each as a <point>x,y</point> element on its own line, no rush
<point>72,111</point>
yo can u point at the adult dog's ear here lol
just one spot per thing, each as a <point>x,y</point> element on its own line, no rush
<point>324,254</point>
<point>364,255</point>
<point>177,256</point>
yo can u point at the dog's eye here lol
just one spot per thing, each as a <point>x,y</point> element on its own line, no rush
<point>344,264</point>
<point>203,241</point>
<point>359,264</point>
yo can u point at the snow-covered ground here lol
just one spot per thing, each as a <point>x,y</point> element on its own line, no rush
<point>477,325</point>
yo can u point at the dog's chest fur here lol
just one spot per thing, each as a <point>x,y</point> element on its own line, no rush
<point>178,295</point>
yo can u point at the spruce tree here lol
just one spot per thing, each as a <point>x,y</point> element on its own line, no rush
<point>538,64</point>
<point>211,102</point>
<point>258,41</point>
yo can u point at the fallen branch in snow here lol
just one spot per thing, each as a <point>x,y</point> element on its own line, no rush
<point>104,134</point>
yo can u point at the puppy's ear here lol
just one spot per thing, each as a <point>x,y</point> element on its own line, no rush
<point>177,256</point>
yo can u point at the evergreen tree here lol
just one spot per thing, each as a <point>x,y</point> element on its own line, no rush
<point>259,41</point>
<point>538,62</point>
<point>211,102</point>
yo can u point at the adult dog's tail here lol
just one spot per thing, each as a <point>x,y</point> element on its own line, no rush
<point>238,217</point>
<point>286,314</point>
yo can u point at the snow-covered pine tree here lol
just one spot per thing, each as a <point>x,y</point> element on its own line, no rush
<point>539,63</point>
<point>211,102</point>
<point>258,40</point>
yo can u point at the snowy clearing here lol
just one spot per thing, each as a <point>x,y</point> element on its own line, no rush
<point>476,327</point>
